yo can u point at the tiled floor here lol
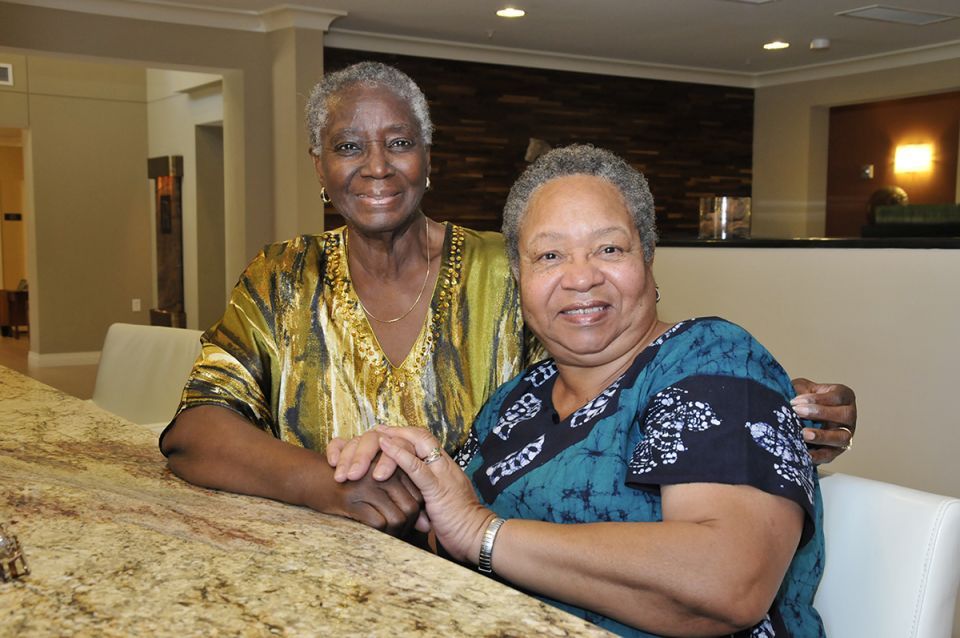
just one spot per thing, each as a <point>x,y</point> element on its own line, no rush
<point>75,380</point>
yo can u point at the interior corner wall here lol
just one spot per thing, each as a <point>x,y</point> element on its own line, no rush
<point>299,63</point>
<point>241,57</point>
<point>790,139</point>
<point>174,111</point>
<point>211,295</point>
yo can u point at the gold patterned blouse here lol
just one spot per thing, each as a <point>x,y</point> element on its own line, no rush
<point>295,355</point>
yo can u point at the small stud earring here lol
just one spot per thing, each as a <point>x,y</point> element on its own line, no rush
<point>323,195</point>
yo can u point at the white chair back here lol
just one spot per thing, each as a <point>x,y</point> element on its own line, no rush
<point>143,370</point>
<point>892,560</point>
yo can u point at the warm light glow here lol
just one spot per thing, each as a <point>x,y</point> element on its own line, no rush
<point>776,44</point>
<point>913,158</point>
<point>510,12</point>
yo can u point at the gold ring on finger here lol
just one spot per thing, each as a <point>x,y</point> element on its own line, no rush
<point>850,440</point>
<point>435,454</point>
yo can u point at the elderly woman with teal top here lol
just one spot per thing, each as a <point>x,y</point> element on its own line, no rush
<point>393,318</point>
<point>650,477</point>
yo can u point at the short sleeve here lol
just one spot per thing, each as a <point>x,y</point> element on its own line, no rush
<point>234,367</point>
<point>724,429</point>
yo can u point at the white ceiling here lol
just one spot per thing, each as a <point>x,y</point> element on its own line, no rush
<point>711,36</point>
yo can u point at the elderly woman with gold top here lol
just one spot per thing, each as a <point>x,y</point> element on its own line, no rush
<point>650,477</point>
<point>393,318</point>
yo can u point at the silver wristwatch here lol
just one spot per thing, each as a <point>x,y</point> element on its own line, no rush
<point>485,564</point>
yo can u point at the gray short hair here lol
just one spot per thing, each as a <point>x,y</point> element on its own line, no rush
<point>371,74</point>
<point>580,159</point>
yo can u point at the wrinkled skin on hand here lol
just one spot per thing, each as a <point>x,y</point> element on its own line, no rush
<point>354,458</point>
<point>391,505</point>
<point>453,512</point>
<point>835,407</point>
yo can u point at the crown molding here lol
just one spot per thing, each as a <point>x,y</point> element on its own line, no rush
<point>279,17</point>
<point>867,64</point>
<point>403,45</point>
<point>448,50</point>
<point>285,16</point>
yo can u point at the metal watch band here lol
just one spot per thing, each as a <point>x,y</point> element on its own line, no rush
<point>485,564</point>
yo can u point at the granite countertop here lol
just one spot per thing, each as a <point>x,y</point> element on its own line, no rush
<point>118,546</point>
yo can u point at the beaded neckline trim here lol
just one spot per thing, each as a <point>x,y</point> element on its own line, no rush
<point>336,277</point>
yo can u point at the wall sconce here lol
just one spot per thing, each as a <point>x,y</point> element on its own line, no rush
<point>913,158</point>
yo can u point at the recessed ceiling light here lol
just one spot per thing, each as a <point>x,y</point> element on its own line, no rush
<point>820,43</point>
<point>510,12</point>
<point>776,44</point>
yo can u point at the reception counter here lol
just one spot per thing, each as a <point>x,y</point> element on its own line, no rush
<point>118,546</point>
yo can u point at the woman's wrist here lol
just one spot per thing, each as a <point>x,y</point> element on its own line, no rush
<point>485,560</point>
<point>472,550</point>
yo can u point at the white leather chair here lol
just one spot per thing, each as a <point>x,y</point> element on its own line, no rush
<point>142,372</point>
<point>892,560</point>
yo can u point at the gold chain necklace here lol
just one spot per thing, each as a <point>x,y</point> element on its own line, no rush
<point>426,278</point>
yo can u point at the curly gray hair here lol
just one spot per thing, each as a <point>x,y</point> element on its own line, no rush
<point>580,159</point>
<point>372,74</point>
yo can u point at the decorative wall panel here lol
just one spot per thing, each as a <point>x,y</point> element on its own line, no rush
<point>690,140</point>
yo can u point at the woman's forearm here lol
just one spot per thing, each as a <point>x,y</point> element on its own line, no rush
<point>713,565</point>
<point>701,576</point>
<point>214,447</point>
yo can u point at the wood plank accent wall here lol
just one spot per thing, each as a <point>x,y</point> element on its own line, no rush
<point>690,140</point>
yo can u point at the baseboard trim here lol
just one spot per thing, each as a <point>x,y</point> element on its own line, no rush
<point>51,359</point>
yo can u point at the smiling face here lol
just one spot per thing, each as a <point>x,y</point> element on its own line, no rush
<point>586,291</point>
<point>373,162</point>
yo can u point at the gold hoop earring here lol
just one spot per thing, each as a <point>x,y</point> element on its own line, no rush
<point>428,183</point>
<point>323,195</point>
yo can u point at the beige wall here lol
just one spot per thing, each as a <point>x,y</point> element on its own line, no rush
<point>883,321</point>
<point>790,139</point>
<point>211,299</point>
<point>88,141</point>
<point>298,56</point>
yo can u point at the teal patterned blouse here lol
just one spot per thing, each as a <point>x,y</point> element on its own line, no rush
<point>704,403</point>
